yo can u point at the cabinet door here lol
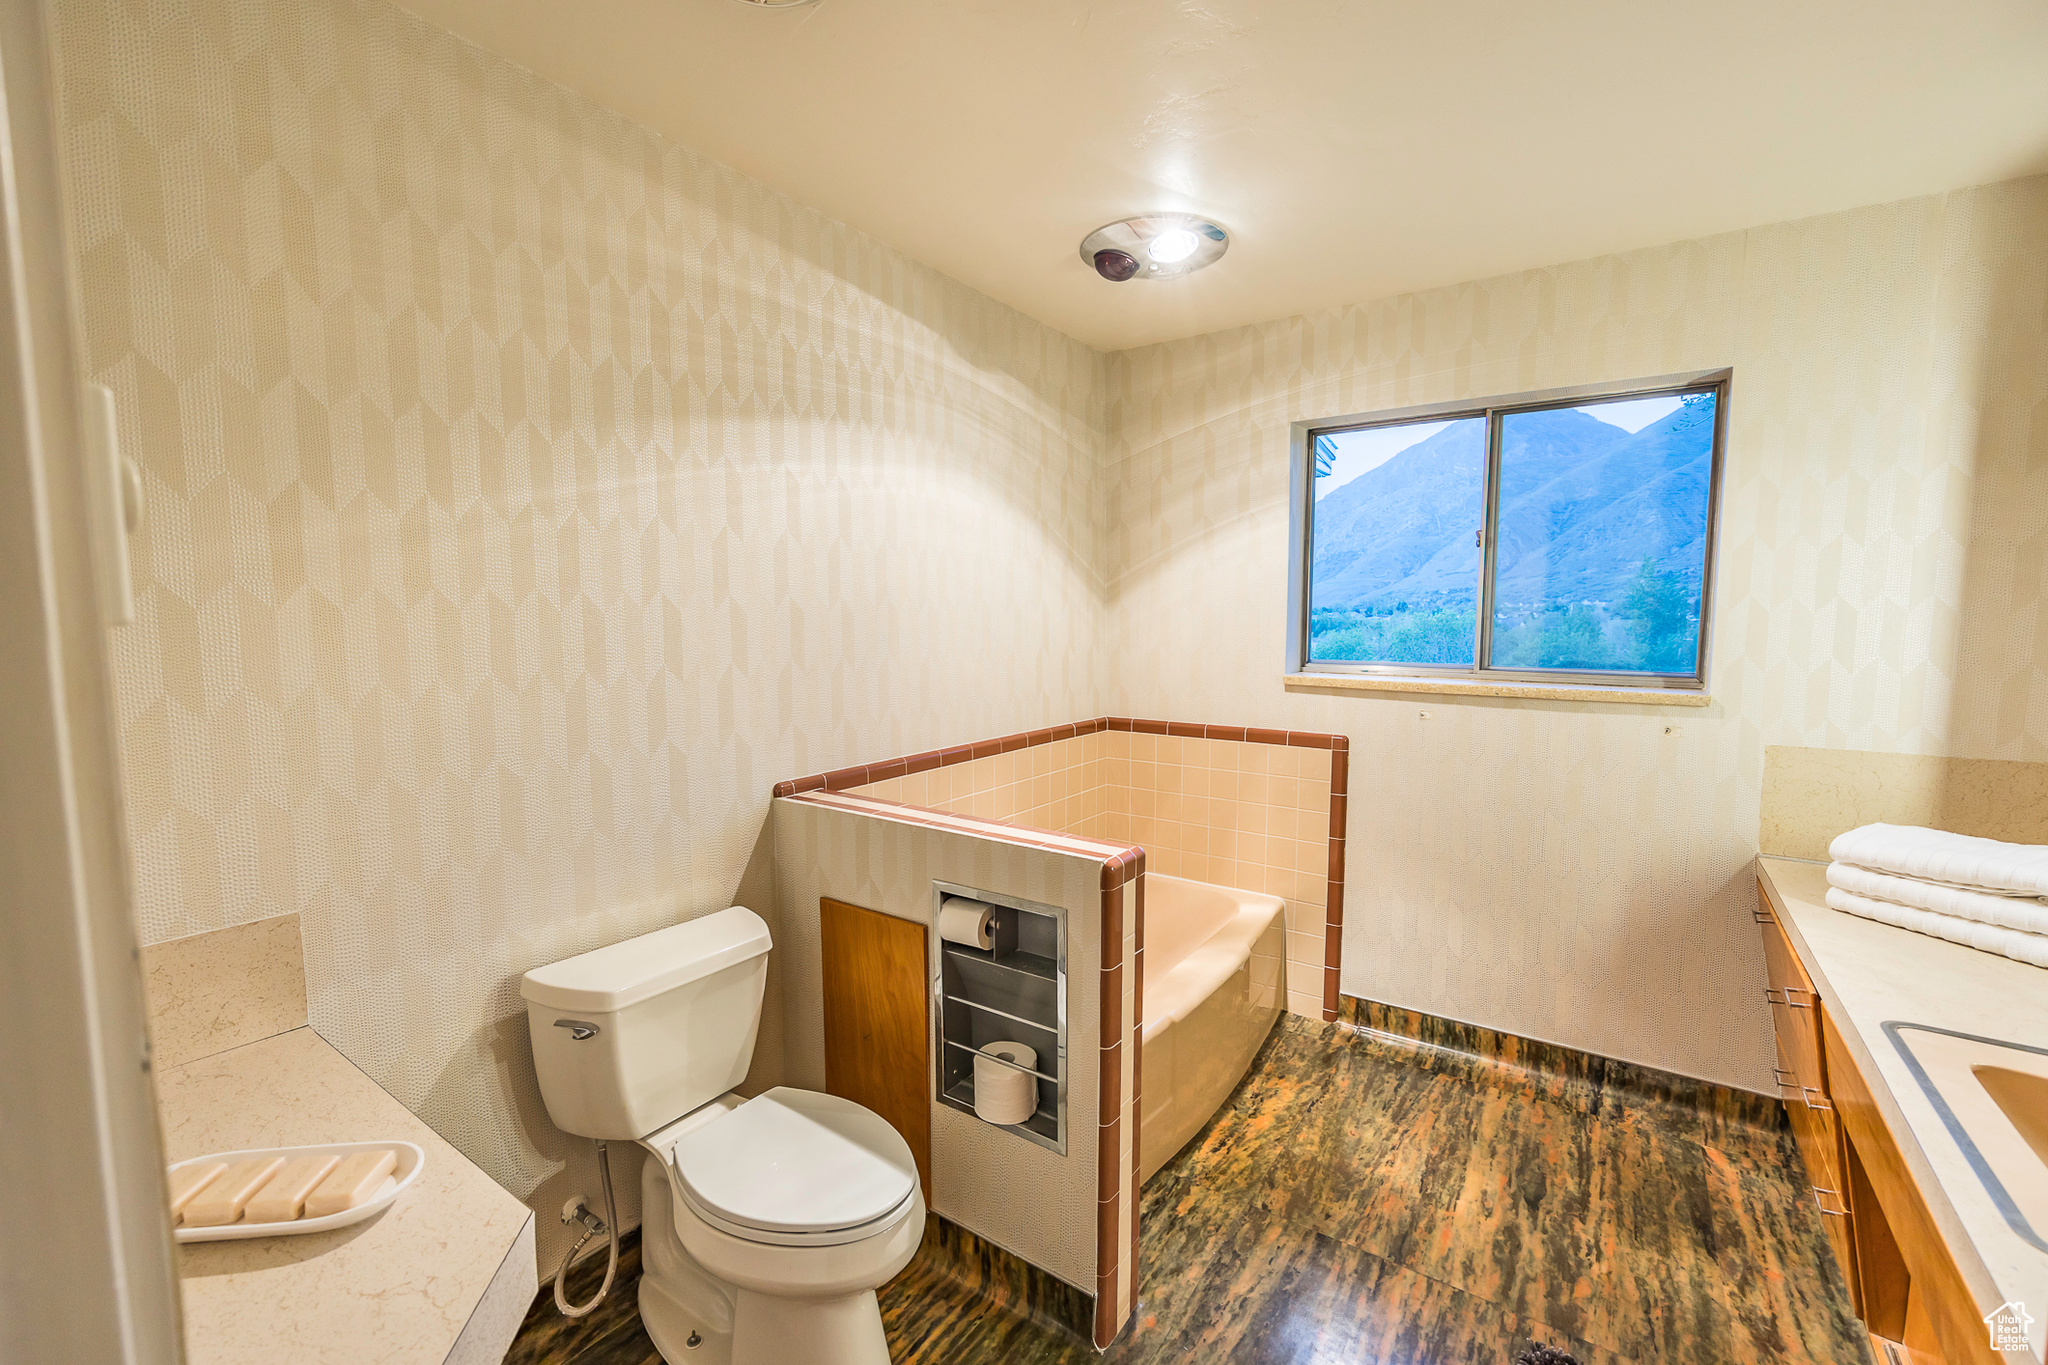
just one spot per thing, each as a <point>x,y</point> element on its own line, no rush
<point>1802,1085</point>
<point>1819,1135</point>
<point>1914,1287</point>
<point>877,1034</point>
<point>1795,1009</point>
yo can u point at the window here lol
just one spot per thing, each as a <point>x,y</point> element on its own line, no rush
<point>1563,537</point>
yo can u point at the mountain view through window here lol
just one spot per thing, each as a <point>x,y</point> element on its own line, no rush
<point>1600,538</point>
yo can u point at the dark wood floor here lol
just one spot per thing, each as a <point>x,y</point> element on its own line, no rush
<point>1368,1199</point>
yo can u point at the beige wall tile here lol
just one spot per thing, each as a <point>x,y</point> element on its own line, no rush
<point>1306,950</point>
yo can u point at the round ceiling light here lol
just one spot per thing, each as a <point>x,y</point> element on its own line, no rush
<point>1159,246</point>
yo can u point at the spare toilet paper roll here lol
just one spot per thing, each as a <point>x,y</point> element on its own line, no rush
<point>964,921</point>
<point>1003,1094</point>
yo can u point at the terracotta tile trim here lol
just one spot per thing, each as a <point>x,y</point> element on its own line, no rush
<point>1109,1078</point>
<point>1121,869</point>
<point>1339,747</point>
<point>1137,1073</point>
<point>860,775</point>
<point>1120,857</point>
<point>1121,866</point>
<point>1106,1325</point>
<point>1124,865</point>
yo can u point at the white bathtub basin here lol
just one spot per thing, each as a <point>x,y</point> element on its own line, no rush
<point>1215,960</point>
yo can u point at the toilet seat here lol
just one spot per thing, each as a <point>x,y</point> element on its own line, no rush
<point>796,1168</point>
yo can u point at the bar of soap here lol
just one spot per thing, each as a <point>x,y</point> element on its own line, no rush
<point>188,1181</point>
<point>281,1200</point>
<point>224,1198</point>
<point>355,1180</point>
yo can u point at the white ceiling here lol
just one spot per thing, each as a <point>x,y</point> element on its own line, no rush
<point>1354,150</point>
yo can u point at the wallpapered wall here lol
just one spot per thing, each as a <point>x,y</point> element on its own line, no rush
<point>1568,871</point>
<point>526,495</point>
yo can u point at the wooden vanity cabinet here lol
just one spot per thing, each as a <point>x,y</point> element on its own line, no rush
<point>1803,1086</point>
<point>1904,1284</point>
<point>1910,1288</point>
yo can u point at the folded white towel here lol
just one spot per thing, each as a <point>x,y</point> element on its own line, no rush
<point>2024,913</point>
<point>2031,949</point>
<point>1952,859</point>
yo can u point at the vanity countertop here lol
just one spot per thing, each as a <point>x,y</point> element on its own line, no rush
<point>443,1275</point>
<point>1868,973</point>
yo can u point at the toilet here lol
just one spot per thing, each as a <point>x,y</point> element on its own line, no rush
<point>767,1224</point>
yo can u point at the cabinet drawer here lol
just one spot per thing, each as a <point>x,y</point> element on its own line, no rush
<point>1795,1011</point>
<point>1818,1132</point>
<point>1819,1135</point>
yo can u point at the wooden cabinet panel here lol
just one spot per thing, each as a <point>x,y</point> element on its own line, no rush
<point>1802,1084</point>
<point>877,1031</point>
<point>1795,1008</point>
<point>1938,1310</point>
<point>1820,1146</point>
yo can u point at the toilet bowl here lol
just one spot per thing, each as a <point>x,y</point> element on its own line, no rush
<point>767,1224</point>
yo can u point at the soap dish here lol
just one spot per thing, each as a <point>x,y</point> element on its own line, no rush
<point>410,1160</point>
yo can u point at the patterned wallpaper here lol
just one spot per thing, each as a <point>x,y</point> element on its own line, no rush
<point>1569,871</point>
<point>526,495</point>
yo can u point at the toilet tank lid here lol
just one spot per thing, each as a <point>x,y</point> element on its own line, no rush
<point>609,979</point>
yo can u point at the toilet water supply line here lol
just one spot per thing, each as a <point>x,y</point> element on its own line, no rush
<point>578,1211</point>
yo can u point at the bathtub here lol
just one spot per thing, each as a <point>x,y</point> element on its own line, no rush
<point>1214,959</point>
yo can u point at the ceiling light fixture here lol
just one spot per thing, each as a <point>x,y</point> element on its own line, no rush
<point>1173,246</point>
<point>777,4</point>
<point>1159,246</point>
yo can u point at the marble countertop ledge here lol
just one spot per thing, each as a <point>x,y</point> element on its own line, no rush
<point>443,1275</point>
<point>1471,687</point>
<point>1867,973</point>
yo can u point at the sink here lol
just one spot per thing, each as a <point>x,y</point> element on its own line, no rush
<point>2023,1095</point>
<point>1993,1097</point>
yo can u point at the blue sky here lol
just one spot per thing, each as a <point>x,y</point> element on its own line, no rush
<point>1359,452</point>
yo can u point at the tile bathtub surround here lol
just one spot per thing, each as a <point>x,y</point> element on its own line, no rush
<point>1262,813</point>
<point>1812,795</point>
<point>1073,1214</point>
<point>213,991</point>
<point>1259,810</point>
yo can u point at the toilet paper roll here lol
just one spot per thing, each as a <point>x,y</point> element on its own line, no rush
<point>1003,1094</point>
<point>969,922</point>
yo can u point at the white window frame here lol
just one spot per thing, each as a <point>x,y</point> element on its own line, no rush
<point>1301,524</point>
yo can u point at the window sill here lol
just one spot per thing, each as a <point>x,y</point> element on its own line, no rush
<point>1460,687</point>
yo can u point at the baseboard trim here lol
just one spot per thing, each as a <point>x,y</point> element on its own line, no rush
<point>1604,1074</point>
<point>996,1278</point>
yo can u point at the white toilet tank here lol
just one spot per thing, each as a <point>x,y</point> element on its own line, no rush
<point>630,1038</point>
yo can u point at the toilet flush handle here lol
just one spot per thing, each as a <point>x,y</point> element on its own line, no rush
<point>580,1030</point>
